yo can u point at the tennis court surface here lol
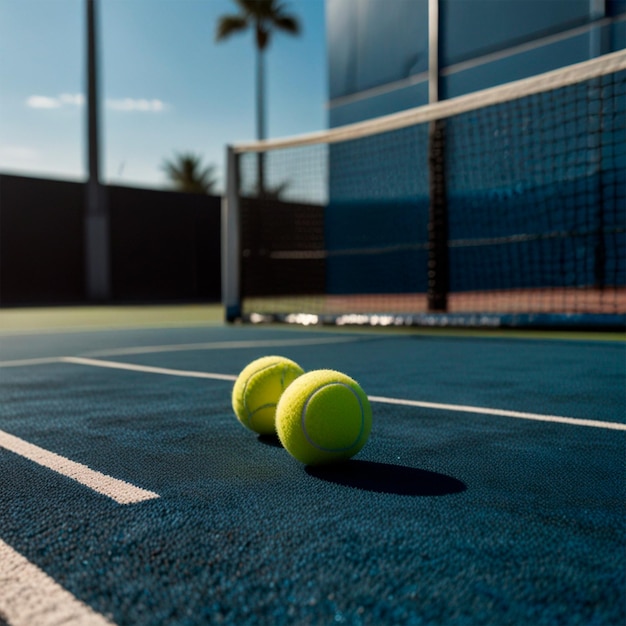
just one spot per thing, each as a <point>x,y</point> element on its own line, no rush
<point>491,490</point>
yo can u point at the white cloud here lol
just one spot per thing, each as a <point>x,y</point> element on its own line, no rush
<point>141,105</point>
<point>75,99</point>
<point>48,102</point>
<point>134,104</point>
<point>42,102</point>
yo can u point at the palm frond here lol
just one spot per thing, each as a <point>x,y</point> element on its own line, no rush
<point>230,24</point>
<point>188,174</point>
<point>287,23</point>
<point>262,13</point>
<point>260,9</point>
<point>247,6</point>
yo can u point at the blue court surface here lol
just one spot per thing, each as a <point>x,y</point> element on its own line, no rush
<point>492,489</point>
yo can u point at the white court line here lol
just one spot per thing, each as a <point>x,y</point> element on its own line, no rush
<point>116,489</point>
<point>221,345</point>
<point>29,597</point>
<point>460,408</point>
<point>145,368</point>
<point>27,362</point>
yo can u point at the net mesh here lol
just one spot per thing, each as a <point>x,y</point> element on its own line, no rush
<point>340,228</point>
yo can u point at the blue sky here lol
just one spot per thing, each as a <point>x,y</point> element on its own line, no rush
<point>166,86</point>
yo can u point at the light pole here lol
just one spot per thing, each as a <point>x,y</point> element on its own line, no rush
<point>97,252</point>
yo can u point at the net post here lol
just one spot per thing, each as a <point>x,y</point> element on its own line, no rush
<point>231,274</point>
<point>438,264</point>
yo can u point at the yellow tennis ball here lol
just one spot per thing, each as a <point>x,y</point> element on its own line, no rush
<point>258,389</point>
<point>323,416</point>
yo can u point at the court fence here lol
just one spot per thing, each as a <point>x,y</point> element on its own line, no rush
<point>164,245</point>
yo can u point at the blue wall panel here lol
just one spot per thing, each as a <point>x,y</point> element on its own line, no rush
<point>378,49</point>
<point>378,104</point>
<point>472,28</point>
<point>523,65</point>
<point>378,65</point>
<point>375,42</point>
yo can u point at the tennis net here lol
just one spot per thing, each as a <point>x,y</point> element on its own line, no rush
<point>504,207</point>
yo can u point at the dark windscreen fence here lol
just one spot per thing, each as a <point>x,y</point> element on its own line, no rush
<point>501,208</point>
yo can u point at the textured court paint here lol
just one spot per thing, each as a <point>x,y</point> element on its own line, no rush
<point>29,597</point>
<point>500,412</point>
<point>118,490</point>
<point>444,518</point>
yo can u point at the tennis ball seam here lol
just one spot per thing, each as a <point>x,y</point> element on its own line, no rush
<point>250,413</point>
<point>303,418</point>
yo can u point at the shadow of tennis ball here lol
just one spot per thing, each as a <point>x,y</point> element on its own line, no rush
<point>387,478</point>
<point>270,440</point>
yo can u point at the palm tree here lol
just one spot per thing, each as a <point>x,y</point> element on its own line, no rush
<point>264,16</point>
<point>189,175</point>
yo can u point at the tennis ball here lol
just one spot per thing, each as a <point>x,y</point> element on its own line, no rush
<point>258,389</point>
<point>323,416</point>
